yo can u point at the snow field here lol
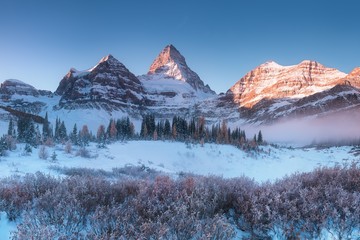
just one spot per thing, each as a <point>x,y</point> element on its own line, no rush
<point>174,157</point>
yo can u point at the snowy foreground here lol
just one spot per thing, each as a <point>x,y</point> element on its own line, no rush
<point>173,158</point>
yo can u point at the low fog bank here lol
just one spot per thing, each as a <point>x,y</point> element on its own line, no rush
<point>336,128</point>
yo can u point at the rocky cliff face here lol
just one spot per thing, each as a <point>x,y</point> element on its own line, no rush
<point>273,81</point>
<point>109,85</point>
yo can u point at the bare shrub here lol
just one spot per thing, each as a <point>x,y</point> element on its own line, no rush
<point>83,152</point>
<point>43,153</point>
<point>10,142</point>
<point>89,206</point>
<point>68,147</point>
<point>49,142</point>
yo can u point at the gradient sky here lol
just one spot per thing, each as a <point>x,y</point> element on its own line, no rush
<point>221,40</point>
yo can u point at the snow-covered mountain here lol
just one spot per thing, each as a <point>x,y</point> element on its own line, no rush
<point>172,87</point>
<point>267,94</point>
<point>272,81</point>
<point>272,92</point>
<point>13,86</point>
<point>170,64</point>
<point>20,96</point>
<point>109,85</point>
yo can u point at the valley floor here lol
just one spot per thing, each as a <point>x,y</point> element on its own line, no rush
<point>227,161</point>
<point>269,164</point>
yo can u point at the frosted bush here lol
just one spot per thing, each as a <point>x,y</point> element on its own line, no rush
<point>89,206</point>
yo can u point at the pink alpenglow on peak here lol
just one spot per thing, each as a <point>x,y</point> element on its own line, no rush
<point>171,64</point>
<point>272,81</point>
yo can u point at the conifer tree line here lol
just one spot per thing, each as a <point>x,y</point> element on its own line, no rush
<point>195,130</point>
<point>179,129</point>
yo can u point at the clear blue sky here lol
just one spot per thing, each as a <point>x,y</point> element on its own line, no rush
<point>221,40</point>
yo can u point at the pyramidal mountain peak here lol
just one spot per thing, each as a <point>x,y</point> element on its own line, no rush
<point>111,60</point>
<point>108,63</point>
<point>168,55</point>
<point>109,84</point>
<point>108,57</point>
<point>170,64</point>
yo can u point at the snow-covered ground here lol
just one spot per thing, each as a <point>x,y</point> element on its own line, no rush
<point>174,157</point>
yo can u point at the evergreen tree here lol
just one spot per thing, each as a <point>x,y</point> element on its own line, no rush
<point>74,135</point>
<point>192,129</point>
<point>124,128</point>
<point>167,129</point>
<point>201,127</point>
<point>62,133</point>
<point>27,149</point>
<point>53,156</point>
<point>160,129</point>
<point>3,146</point>
<point>144,132</point>
<point>101,135</point>
<point>243,135</point>
<point>228,136</point>
<point>22,126</point>
<point>148,124</point>
<point>11,128</point>
<point>57,127</point>
<point>46,130</point>
<point>26,131</point>
<point>131,130</point>
<point>214,132</point>
<point>31,134</point>
<point>120,128</point>
<point>84,136</point>
<point>142,129</point>
<point>260,137</point>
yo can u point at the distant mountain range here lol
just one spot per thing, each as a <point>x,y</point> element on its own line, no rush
<point>267,94</point>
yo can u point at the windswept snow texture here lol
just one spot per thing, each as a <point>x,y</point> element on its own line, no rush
<point>174,157</point>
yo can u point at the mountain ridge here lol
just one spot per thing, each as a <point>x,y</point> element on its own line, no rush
<point>265,94</point>
<point>271,80</point>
